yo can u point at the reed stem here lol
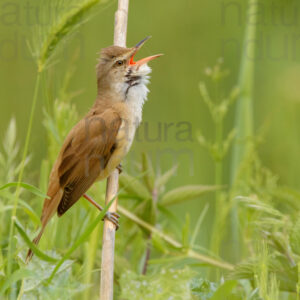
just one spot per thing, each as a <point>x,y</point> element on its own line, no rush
<point>108,246</point>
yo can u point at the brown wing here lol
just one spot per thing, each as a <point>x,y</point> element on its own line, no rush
<point>85,153</point>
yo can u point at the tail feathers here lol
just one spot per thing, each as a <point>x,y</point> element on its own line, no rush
<point>49,209</point>
<point>35,241</point>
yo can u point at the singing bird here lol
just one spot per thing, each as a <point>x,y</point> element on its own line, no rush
<point>96,145</point>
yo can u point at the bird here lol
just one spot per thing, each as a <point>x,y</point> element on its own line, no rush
<point>96,145</point>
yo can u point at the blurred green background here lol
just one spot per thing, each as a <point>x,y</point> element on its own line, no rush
<point>250,231</point>
<point>192,35</point>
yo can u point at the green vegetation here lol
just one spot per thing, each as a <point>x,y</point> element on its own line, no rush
<point>229,229</point>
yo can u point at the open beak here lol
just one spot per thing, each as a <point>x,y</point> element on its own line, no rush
<point>145,60</point>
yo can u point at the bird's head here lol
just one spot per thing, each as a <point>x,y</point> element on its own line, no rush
<point>117,72</point>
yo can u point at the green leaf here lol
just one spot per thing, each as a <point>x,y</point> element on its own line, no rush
<point>198,225</point>
<point>163,179</point>
<point>32,246</point>
<point>224,290</point>
<point>26,186</point>
<point>147,169</point>
<point>134,186</point>
<point>187,192</point>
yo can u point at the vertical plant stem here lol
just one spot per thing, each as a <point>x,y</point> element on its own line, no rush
<point>108,246</point>
<point>20,176</point>
<point>219,162</point>
<point>216,236</point>
<point>243,115</point>
<point>121,18</point>
<point>218,182</point>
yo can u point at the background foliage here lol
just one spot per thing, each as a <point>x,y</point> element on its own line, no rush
<point>209,198</point>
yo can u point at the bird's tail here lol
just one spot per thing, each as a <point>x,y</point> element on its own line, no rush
<point>35,241</point>
<point>49,209</point>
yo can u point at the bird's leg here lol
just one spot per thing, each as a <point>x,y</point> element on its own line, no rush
<point>88,198</point>
<point>111,216</point>
<point>120,168</point>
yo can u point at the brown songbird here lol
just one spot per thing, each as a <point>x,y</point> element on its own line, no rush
<point>96,144</point>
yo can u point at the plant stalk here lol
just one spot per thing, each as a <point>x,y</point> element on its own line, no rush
<point>108,245</point>
<point>216,235</point>
<point>20,176</point>
<point>243,117</point>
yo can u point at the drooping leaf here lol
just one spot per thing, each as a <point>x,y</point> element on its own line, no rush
<point>186,193</point>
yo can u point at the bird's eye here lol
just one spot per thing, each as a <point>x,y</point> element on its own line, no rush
<point>120,62</point>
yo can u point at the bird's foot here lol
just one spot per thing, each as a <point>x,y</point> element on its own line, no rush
<point>120,168</point>
<point>112,217</point>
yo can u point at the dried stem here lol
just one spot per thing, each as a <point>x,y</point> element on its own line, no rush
<point>108,245</point>
<point>147,255</point>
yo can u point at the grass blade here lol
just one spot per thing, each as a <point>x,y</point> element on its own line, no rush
<point>26,186</point>
<point>187,192</point>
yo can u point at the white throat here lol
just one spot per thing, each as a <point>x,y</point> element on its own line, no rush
<point>136,91</point>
